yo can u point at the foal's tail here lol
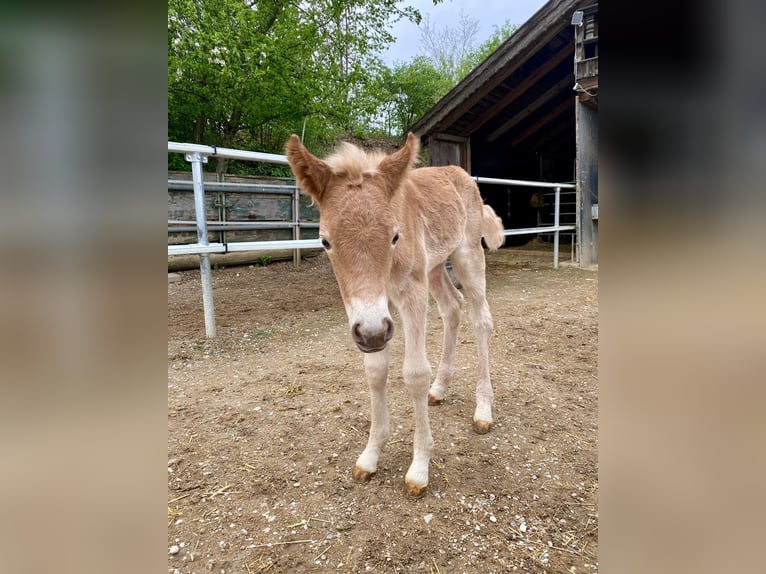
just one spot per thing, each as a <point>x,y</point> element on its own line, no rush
<point>491,229</point>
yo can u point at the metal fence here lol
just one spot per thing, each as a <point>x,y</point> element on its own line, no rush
<point>198,155</point>
<point>225,226</point>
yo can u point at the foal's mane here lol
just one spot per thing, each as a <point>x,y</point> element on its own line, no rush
<point>351,161</point>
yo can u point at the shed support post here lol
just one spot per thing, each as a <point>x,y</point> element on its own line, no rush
<point>197,159</point>
<point>586,122</point>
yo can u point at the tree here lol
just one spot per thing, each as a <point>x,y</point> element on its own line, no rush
<point>476,57</point>
<point>447,47</point>
<point>409,91</point>
<point>453,50</point>
<point>229,69</point>
<point>249,72</point>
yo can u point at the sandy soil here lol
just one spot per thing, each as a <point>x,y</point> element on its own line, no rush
<point>266,421</point>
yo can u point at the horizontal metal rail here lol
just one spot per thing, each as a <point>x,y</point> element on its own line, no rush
<point>255,224</point>
<point>181,226</point>
<point>214,151</point>
<point>538,230</point>
<point>523,183</point>
<point>229,187</point>
<point>196,248</point>
<point>273,245</point>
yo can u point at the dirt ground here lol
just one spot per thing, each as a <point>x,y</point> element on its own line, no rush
<point>266,421</point>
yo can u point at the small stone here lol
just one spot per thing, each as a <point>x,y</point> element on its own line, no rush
<point>174,549</point>
<point>523,527</point>
<point>428,518</point>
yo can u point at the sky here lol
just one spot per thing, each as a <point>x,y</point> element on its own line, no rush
<point>489,13</point>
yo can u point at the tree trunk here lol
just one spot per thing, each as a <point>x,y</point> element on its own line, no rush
<point>199,129</point>
<point>227,138</point>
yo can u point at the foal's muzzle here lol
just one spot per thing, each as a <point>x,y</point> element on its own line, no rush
<point>372,338</point>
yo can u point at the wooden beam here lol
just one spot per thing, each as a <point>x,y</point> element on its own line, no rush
<point>564,106</point>
<point>533,107</point>
<point>515,92</point>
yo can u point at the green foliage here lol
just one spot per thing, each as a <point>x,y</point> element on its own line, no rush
<point>410,90</point>
<point>247,73</point>
<point>258,168</point>
<point>230,70</point>
<point>176,162</point>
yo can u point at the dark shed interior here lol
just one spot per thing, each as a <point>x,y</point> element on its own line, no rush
<point>513,117</point>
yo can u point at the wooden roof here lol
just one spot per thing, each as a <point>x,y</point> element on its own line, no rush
<point>522,95</point>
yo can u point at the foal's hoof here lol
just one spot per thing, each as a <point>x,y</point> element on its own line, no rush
<point>481,427</point>
<point>414,491</point>
<point>432,400</point>
<point>360,475</point>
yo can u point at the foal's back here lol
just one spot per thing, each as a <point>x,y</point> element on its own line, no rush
<point>449,203</point>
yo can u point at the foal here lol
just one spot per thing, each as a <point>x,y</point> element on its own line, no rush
<point>388,230</point>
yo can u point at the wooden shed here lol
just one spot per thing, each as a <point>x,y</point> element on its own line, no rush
<point>529,111</point>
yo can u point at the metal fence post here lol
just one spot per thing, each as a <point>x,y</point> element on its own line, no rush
<point>556,214</point>
<point>296,227</point>
<point>197,159</point>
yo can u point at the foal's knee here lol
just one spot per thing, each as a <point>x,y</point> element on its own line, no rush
<point>417,374</point>
<point>417,377</point>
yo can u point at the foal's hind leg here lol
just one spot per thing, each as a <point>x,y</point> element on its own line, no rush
<point>449,300</point>
<point>468,263</point>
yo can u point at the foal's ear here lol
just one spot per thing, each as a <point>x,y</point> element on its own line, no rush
<point>311,173</point>
<point>395,166</point>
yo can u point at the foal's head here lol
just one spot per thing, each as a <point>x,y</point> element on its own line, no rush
<point>358,227</point>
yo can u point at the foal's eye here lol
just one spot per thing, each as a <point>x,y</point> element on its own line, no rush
<point>395,239</point>
<point>325,243</point>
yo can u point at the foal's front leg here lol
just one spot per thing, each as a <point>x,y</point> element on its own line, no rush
<point>376,369</point>
<point>417,377</point>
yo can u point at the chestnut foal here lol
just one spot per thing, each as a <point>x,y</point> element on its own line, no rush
<point>388,229</point>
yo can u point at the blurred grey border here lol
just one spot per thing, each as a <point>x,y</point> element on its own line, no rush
<point>83,116</point>
<point>682,313</point>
